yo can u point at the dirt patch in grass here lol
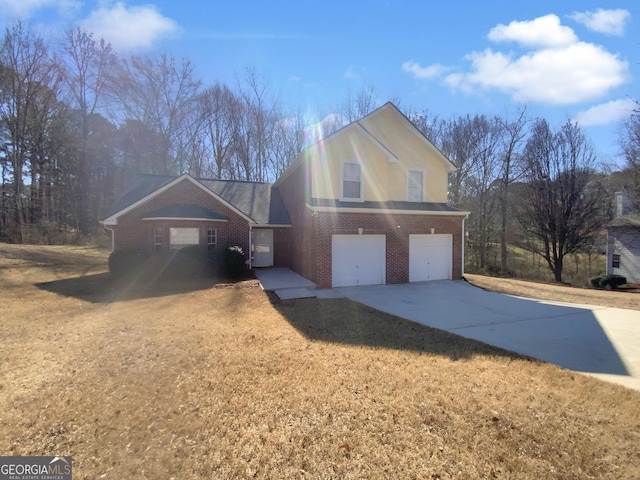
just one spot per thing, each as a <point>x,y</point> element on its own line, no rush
<point>628,298</point>
<point>229,383</point>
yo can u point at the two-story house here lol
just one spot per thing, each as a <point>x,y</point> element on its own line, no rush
<point>623,239</point>
<point>364,206</point>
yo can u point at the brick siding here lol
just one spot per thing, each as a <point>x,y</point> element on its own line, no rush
<point>132,231</point>
<point>397,229</point>
<point>300,256</point>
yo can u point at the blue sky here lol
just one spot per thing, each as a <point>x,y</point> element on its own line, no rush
<point>575,59</point>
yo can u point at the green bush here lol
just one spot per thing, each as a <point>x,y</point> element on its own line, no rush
<point>611,281</point>
<point>230,261</point>
<point>127,260</point>
<point>192,261</point>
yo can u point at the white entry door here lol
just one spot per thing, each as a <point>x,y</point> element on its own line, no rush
<point>358,260</point>
<point>430,257</point>
<point>262,247</point>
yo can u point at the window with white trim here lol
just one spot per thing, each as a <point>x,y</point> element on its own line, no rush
<point>157,239</point>
<point>615,260</point>
<point>183,237</point>
<point>212,238</point>
<point>415,185</point>
<point>352,182</point>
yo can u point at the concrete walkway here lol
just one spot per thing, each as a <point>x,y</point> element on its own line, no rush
<point>288,285</point>
<point>599,341</point>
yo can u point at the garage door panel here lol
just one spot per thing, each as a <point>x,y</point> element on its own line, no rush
<point>430,257</point>
<point>358,260</point>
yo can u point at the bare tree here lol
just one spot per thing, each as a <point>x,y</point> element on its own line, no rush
<point>219,111</point>
<point>85,66</point>
<point>564,203</point>
<point>431,126</point>
<point>513,136</point>
<point>256,115</point>
<point>287,143</point>
<point>29,83</point>
<point>162,94</point>
<point>630,144</point>
<point>359,104</point>
<point>460,143</point>
<point>481,186</point>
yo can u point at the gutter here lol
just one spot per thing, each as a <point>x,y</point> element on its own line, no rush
<point>462,266</point>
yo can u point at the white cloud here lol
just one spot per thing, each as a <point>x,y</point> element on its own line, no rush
<point>543,31</point>
<point>556,69</point>
<point>26,8</point>
<point>129,28</point>
<point>418,71</point>
<point>606,113</point>
<point>559,76</point>
<point>611,22</point>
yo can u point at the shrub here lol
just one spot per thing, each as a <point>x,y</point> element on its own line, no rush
<point>230,261</point>
<point>595,282</point>
<point>127,260</point>
<point>612,281</point>
<point>192,261</point>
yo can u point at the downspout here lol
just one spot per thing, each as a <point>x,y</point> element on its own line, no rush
<point>113,239</point>
<point>462,266</point>
<point>250,244</point>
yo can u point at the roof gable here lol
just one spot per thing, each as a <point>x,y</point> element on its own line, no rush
<point>377,123</point>
<point>362,126</point>
<point>256,202</point>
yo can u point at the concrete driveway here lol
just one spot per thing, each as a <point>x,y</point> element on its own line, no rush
<point>600,341</point>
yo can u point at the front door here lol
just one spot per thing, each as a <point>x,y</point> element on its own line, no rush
<point>262,247</point>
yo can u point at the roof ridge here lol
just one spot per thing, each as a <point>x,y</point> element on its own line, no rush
<point>230,180</point>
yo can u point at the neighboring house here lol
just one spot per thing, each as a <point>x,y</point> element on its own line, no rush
<point>364,206</point>
<point>623,240</point>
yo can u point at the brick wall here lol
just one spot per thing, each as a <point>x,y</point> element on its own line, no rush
<point>397,229</point>
<point>282,247</point>
<point>132,231</point>
<point>301,253</point>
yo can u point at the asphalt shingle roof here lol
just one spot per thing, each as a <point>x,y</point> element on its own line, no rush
<point>630,220</point>
<point>392,205</point>
<point>185,211</point>
<point>259,201</point>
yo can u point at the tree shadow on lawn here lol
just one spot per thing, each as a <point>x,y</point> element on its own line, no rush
<point>343,321</point>
<point>571,336</point>
<point>103,288</point>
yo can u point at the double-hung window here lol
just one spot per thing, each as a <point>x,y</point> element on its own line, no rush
<point>352,182</point>
<point>212,238</point>
<point>615,260</point>
<point>415,185</point>
<point>157,239</point>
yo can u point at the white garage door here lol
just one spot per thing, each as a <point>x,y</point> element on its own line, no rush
<point>358,260</point>
<point>430,257</point>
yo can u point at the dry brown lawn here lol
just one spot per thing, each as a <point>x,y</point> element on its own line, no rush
<point>204,382</point>
<point>629,299</point>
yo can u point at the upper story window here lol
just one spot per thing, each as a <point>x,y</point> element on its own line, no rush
<point>615,260</point>
<point>415,185</point>
<point>352,182</point>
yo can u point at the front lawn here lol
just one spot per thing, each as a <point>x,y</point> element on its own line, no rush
<point>225,382</point>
